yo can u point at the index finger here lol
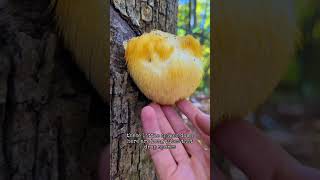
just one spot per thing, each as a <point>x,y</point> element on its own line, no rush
<point>192,113</point>
<point>163,160</point>
<point>254,153</point>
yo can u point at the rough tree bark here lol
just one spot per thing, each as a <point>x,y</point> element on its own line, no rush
<point>52,124</point>
<point>128,19</point>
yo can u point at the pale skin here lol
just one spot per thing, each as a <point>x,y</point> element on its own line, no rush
<point>186,161</point>
<point>256,155</point>
<point>240,142</point>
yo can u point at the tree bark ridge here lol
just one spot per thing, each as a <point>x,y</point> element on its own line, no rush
<point>129,19</point>
<point>52,122</point>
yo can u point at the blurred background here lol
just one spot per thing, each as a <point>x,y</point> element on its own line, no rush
<point>291,115</point>
<point>194,19</point>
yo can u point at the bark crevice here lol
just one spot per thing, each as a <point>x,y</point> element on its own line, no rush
<point>49,129</point>
<point>131,161</point>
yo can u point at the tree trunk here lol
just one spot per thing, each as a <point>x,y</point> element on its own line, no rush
<point>129,19</point>
<point>53,125</point>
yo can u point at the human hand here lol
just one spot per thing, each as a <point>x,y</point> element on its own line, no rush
<point>256,155</point>
<point>186,161</point>
<point>104,163</point>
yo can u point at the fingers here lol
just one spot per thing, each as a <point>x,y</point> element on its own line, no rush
<point>162,159</point>
<point>203,122</point>
<point>179,153</point>
<point>187,108</point>
<point>217,174</point>
<point>104,163</point>
<point>179,127</point>
<point>251,150</point>
<point>302,172</point>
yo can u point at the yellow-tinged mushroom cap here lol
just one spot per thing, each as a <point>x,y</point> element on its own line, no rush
<point>165,67</point>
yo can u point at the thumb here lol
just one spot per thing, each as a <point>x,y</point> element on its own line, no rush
<point>203,122</point>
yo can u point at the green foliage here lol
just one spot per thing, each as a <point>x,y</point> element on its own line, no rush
<point>292,77</point>
<point>316,31</point>
<point>196,21</point>
<point>303,73</point>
